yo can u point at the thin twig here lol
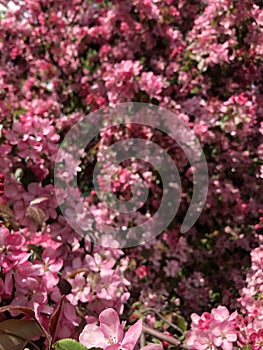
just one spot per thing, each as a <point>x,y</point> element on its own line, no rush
<point>142,340</point>
<point>76,272</point>
<point>162,336</point>
<point>164,319</point>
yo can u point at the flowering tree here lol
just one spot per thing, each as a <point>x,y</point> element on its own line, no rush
<point>202,60</point>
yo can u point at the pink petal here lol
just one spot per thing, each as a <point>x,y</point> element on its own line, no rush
<point>227,346</point>
<point>221,313</point>
<point>91,336</point>
<point>113,347</point>
<point>110,325</point>
<point>217,341</point>
<point>132,335</point>
<point>231,336</point>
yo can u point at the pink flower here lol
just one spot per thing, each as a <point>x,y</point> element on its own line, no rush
<point>200,341</point>
<point>12,251</point>
<point>110,334</point>
<point>141,271</point>
<point>202,322</point>
<point>81,290</point>
<point>49,268</point>
<point>224,335</point>
<point>220,313</point>
<point>257,339</point>
<point>152,84</point>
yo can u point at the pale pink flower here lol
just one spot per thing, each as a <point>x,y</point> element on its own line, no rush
<point>224,335</point>
<point>200,341</point>
<point>110,334</point>
<point>220,313</point>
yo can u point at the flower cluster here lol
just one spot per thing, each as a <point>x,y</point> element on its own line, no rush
<point>220,329</point>
<point>201,60</point>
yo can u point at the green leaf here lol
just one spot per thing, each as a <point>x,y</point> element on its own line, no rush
<point>195,90</point>
<point>181,322</point>
<point>20,111</point>
<point>68,344</point>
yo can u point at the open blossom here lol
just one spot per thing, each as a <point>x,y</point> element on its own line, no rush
<point>224,335</point>
<point>49,268</point>
<point>152,84</point>
<point>12,251</point>
<point>200,341</point>
<point>110,335</point>
<point>221,314</point>
<point>80,290</point>
<point>257,339</point>
<point>213,330</point>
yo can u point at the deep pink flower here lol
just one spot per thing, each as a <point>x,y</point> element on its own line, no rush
<point>12,249</point>
<point>257,339</point>
<point>141,271</point>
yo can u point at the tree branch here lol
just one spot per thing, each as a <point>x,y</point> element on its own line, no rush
<point>162,336</point>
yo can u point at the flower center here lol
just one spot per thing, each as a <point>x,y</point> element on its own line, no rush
<point>112,340</point>
<point>223,336</point>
